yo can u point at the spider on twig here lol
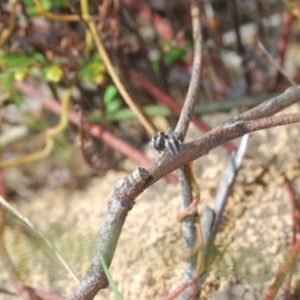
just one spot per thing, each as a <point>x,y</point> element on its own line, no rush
<point>162,141</point>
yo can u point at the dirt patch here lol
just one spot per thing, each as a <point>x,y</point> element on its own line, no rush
<point>250,247</point>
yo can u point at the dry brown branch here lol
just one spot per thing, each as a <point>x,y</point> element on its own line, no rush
<point>184,173</point>
<point>128,188</point>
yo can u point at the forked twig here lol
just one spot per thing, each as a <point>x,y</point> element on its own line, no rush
<point>128,188</point>
<point>193,242</point>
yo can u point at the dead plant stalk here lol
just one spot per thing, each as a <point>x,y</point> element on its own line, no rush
<point>128,188</point>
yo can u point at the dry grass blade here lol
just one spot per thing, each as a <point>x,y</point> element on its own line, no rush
<point>42,236</point>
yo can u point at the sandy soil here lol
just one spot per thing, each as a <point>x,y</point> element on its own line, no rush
<point>250,247</point>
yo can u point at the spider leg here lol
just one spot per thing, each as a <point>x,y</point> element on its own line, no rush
<point>154,151</point>
<point>157,144</point>
<point>172,141</point>
<point>171,146</point>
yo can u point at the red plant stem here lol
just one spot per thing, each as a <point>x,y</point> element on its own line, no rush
<point>94,129</point>
<point>176,292</point>
<point>294,210</point>
<point>283,270</point>
<point>172,104</point>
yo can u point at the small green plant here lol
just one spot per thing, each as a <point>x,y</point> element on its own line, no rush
<point>111,99</point>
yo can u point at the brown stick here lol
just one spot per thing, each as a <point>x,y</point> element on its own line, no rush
<point>184,173</point>
<point>128,188</point>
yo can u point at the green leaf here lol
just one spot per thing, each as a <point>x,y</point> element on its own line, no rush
<point>53,73</point>
<point>114,105</point>
<point>7,80</point>
<point>110,93</point>
<point>32,10</point>
<point>39,58</point>
<point>175,54</point>
<point>110,279</point>
<point>15,61</point>
<point>96,57</point>
<point>111,100</point>
<point>93,72</point>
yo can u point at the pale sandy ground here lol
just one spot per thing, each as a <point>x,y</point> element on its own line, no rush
<point>251,245</point>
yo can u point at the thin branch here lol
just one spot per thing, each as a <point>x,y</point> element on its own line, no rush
<point>274,105</point>
<point>194,87</point>
<point>171,103</point>
<point>227,183</point>
<point>128,188</point>
<point>89,22</point>
<point>117,81</point>
<point>212,217</point>
<point>275,64</point>
<point>184,173</point>
<point>7,33</point>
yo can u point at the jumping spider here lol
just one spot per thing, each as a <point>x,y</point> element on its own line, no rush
<point>163,141</point>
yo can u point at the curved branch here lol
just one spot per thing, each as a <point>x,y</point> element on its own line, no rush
<point>128,188</point>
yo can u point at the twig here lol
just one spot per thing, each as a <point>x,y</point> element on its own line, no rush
<point>184,173</point>
<point>212,217</point>
<point>7,33</point>
<point>116,79</point>
<point>275,64</point>
<point>128,188</point>
<point>171,103</point>
<point>111,70</point>
<point>274,105</point>
<point>227,183</point>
